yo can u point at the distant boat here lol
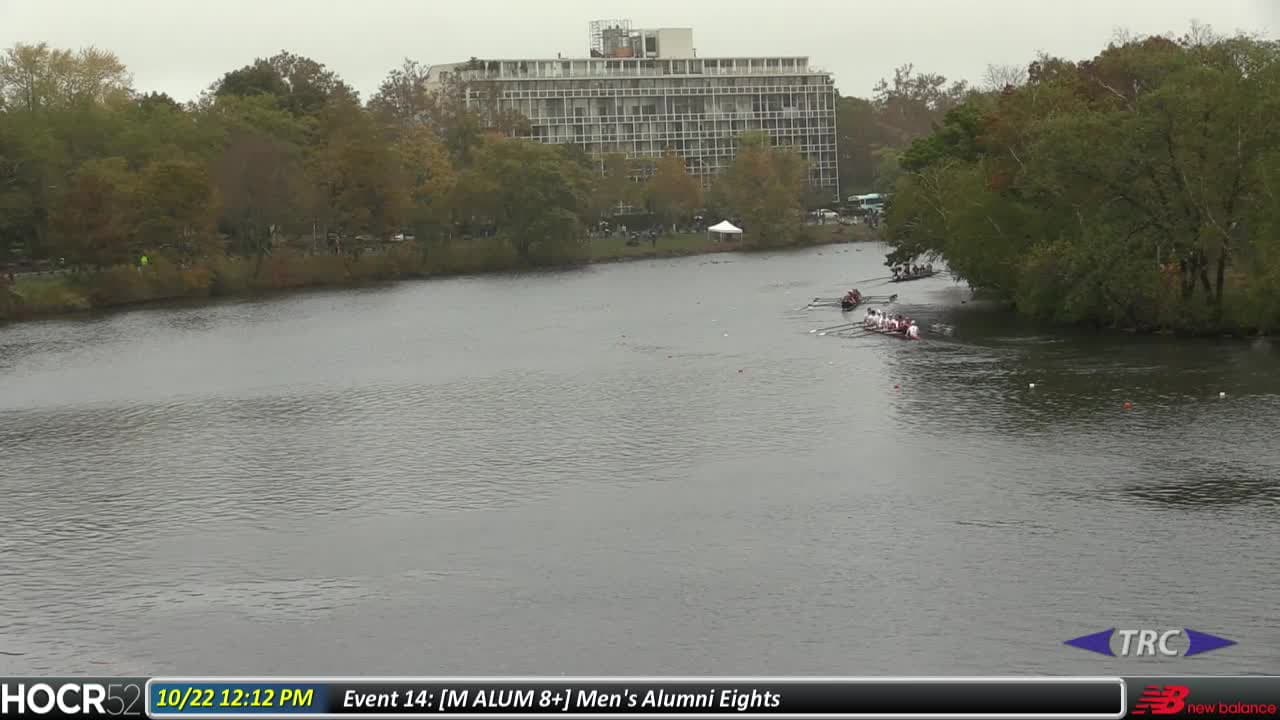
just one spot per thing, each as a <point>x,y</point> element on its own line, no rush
<point>917,276</point>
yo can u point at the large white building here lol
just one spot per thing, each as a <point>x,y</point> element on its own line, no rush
<point>645,92</point>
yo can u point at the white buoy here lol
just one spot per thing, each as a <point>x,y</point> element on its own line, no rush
<point>1031,385</point>
<point>1221,395</point>
<point>726,334</point>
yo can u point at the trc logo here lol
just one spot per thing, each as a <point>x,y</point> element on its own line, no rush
<point>1167,700</point>
<point>1150,643</point>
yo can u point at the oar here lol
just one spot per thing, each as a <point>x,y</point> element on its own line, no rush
<point>886,277</point>
<point>823,331</point>
<point>820,301</point>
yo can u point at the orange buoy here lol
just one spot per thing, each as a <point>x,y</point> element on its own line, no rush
<point>1128,405</point>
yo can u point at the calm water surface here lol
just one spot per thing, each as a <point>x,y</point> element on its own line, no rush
<point>649,467</point>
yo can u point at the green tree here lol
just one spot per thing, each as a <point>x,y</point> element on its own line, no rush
<point>858,135</point>
<point>1128,189</point>
<point>764,186</point>
<point>302,86</point>
<point>358,180</point>
<point>95,219</point>
<point>177,206</point>
<point>430,180</point>
<point>616,185</point>
<point>530,193</point>
<point>36,77</point>
<point>672,194</point>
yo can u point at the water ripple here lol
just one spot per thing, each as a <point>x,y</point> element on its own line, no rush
<point>622,478</point>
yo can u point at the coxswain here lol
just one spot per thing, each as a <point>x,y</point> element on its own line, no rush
<point>870,317</point>
<point>857,296</point>
<point>913,332</point>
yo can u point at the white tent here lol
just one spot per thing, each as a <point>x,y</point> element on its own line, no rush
<point>725,228</point>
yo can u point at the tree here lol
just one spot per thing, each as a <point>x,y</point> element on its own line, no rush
<point>615,186</point>
<point>96,215</point>
<point>302,85</point>
<point>998,78</point>
<point>1121,190</point>
<point>35,77</point>
<point>404,99</point>
<point>461,129</point>
<point>672,193</point>
<point>260,181</point>
<point>764,186</point>
<point>903,109</point>
<point>358,182</point>
<point>858,134</point>
<point>430,182</point>
<point>909,105</point>
<point>530,193</point>
<point>177,205</point>
<point>32,166</point>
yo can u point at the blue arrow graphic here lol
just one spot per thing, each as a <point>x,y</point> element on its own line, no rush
<point>1099,642</point>
<point>1204,642</point>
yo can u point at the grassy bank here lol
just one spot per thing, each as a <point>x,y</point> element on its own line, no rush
<point>48,295</point>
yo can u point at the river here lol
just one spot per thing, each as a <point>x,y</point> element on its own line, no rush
<point>639,468</point>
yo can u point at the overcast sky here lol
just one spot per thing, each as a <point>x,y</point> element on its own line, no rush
<point>180,47</point>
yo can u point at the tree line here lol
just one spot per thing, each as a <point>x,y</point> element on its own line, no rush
<point>282,156</point>
<point>1135,189</point>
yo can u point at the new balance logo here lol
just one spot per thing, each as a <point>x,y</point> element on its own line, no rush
<point>1157,700</point>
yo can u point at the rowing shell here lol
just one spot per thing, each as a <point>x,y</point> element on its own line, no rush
<point>901,335</point>
<point>909,278</point>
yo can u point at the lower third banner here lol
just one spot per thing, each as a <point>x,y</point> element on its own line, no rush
<point>1059,698</point>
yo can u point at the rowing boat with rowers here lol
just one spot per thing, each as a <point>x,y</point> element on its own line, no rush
<point>916,276</point>
<point>847,303</point>
<point>900,334</point>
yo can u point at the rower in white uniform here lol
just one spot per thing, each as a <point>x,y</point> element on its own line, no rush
<point>913,331</point>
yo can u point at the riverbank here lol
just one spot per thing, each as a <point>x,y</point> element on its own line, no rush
<point>50,295</point>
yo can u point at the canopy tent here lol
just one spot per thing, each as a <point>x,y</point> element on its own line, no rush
<point>725,228</point>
